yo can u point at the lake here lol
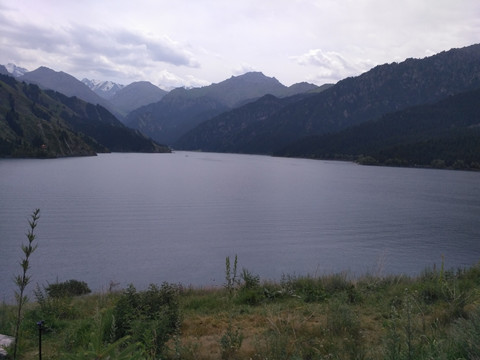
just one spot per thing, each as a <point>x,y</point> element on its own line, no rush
<point>149,218</point>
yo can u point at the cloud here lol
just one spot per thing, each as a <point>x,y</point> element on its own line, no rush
<point>331,66</point>
<point>243,68</point>
<point>83,48</point>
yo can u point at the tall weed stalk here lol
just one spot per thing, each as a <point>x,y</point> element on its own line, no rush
<point>21,281</point>
<point>231,280</point>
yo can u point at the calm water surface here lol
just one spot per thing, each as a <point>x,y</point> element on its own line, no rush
<point>149,218</point>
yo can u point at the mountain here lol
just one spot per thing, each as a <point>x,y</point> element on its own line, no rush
<point>165,121</point>
<point>46,123</point>
<point>446,133</point>
<point>304,87</point>
<point>383,89</point>
<point>3,70</point>
<point>237,89</point>
<point>15,71</point>
<point>181,110</point>
<point>136,95</point>
<point>104,89</point>
<point>222,133</point>
<point>64,83</point>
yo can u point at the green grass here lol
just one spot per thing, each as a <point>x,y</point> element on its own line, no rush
<point>435,315</point>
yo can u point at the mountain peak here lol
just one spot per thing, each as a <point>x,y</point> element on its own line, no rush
<point>15,70</point>
<point>254,76</point>
<point>105,89</point>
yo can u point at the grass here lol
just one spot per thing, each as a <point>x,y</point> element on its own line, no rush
<point>435,315</point>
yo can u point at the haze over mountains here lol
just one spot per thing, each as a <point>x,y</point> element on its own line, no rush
<point>253,113</point>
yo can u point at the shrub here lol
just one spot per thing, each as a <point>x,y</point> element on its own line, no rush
<point>308,288</point>
<point>250,292</point>
<point>150,317</point>
<point>67,289</point>
<point>231,341</point>
<point>53,310</point>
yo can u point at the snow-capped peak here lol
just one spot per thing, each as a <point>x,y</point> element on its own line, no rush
<point>15,70</point>
<point>106,89</point>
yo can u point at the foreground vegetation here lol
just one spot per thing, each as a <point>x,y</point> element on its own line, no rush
<point>433,316</point>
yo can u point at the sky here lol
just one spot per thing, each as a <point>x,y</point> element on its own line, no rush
<point>193,43</point>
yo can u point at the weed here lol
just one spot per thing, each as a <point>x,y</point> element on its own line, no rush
<point>23,280</point>
<point>231,341</point>
<point>231,280</point>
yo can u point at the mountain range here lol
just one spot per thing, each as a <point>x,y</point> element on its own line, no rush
<point>181,110</point>
<point>352,101</point>
<point>359,118</point>
<point>46,123</point>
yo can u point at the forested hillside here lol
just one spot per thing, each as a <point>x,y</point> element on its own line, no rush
<point>37,123</point>
<point>444,134</point>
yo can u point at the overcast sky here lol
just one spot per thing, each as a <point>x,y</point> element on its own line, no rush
<point>198,42</point>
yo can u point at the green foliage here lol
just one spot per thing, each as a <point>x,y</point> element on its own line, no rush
<point>150,317</point>
<point>7,318</point>
<point>464,337</point>
<point>231,341</point>
<point>92,340</point>
<point>55,311</point>
<point>67,289</point>
<point>432,316</point>
<point>250,292</point>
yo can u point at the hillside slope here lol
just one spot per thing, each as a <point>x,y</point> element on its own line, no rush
<point>37,123</point>
<point>64,83</point>
<point>444,134</point>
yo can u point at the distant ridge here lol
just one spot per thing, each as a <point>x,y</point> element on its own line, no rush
<point>64,83</point>
<point>182,110</point>
<point>136,95</point>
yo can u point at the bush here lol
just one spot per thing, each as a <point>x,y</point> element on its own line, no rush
<point>150,317</point>
<point>250,292</point>
<point>67,289</point>
<point>308,288</point>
